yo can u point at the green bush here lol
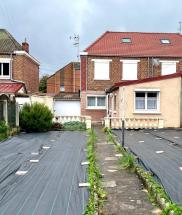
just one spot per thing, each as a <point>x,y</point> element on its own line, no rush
<point>75,125</point>
<point>35,118</point>
<point>3,127</point>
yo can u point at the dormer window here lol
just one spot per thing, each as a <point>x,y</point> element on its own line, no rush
<point>126,40</point>
<point>165,41</point>
<point>4,68</point>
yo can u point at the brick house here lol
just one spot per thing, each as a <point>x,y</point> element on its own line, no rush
<point>19,74</point>
<point>16,64</point>
<point>66,79</point>
<point>124,56</point>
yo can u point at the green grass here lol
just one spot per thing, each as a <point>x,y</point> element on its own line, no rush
<point>74,126</point>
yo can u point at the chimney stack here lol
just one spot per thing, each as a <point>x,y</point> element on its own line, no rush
<point>25,46</point>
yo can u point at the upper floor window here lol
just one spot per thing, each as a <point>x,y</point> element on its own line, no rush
<point>168,67</point>
<point>101,69</point>
<point>4,68</point>
<point>62,89</point>
<point>129,69</point>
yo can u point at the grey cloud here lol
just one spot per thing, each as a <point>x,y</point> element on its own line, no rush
<point>48,24</point>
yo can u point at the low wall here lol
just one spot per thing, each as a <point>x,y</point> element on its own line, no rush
<point>63,119</point>
<point>134,123</point>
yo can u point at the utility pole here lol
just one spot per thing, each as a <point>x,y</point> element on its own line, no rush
<point>76,42</point>
<point>123,116</point>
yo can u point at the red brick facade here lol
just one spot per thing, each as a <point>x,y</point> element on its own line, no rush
<point>67,77</point>
<point>145,69</point>
<point>26,70</point>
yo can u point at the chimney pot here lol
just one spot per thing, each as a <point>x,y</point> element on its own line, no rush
<point>25,46</point>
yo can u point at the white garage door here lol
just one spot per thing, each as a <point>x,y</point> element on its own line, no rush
<point>67,108</point>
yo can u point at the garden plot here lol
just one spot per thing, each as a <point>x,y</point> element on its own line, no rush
<point>41,176</point>
<point>160,156</point>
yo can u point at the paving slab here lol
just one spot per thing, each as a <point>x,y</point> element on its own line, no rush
<point>125,197</point>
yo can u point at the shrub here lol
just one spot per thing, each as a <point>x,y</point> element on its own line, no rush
<point>75,125</point>
<point>3,127</point>
<point>35,118</point>
<point>56,126</point>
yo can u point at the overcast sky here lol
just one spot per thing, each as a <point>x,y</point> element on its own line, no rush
<point>48,24</point>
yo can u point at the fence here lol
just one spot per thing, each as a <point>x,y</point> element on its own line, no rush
<point>134,123</point>
<point>63,119</point>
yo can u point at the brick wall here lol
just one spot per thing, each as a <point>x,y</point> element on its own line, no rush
<point>145,70</point>
<point>67,77</point>
<point>51,84</point>
<point>96,115</point>
<point>77,80</point>
<point>26,70</point>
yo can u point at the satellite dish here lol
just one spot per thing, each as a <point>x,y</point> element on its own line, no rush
<point>155,62</point>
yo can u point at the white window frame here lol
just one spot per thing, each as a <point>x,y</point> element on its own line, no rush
<point>163,62</point>
<point>96,107</point>
<point>147,111</point>
<point>103,61</point>
<point>62,88</point>
<point>5,60</point>
<point>129,61</point>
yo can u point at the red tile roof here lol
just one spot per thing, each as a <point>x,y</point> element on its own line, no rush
<point>158,78</point>
<point>10,87</point>
<point>142,45</point>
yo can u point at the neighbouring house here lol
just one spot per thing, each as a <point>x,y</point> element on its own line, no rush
<point>19,74</point>
<point>154,102</point>
<point>16,64</point>
<point>124,56</point>
<point>66,79</point>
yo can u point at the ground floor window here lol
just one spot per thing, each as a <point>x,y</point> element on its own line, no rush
<point>147,101</point>
<point>96,102</point>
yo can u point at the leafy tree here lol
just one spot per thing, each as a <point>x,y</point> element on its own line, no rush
<point>43,84</point>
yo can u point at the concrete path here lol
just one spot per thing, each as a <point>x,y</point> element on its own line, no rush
<point>126,194</point>
<point>40,174</point>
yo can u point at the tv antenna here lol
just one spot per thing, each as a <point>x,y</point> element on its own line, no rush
<point>76,43</point>
<point>180,27</point>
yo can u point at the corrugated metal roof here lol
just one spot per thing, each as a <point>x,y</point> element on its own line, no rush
<point>141,45</point>
<point>10,87</point>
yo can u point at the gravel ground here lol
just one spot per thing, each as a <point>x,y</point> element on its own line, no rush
<point>160,151</point>
<point>50,186</point>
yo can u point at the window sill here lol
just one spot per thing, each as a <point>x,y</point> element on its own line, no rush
<point>4,77</point>
<point>147,112</point>
<point>102,79</point>
<point>96,108</point>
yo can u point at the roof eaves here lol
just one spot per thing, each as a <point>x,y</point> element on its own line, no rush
<point>159,78</point>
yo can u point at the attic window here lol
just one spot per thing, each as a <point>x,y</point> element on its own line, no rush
<point>126,40</point>
<point>165,41</point>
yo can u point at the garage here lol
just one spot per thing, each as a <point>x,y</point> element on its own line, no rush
<point>67,104</point>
